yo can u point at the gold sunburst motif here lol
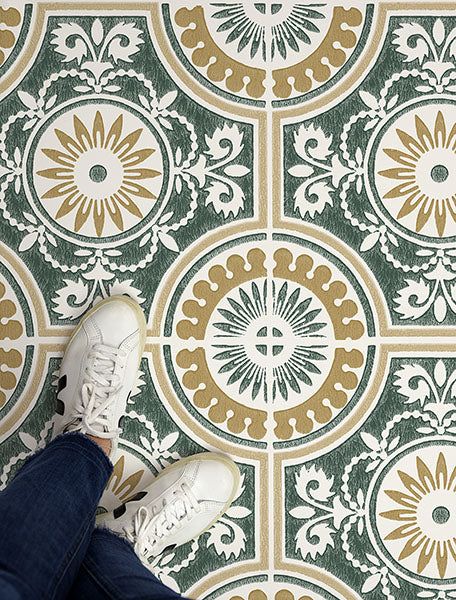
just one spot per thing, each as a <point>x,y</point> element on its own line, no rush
<point>427,174</point>
<point>98,173</point>
<point>425,514</point>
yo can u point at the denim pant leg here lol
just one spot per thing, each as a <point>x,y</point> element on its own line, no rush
<point>112,570</point>
<point>47,516</point>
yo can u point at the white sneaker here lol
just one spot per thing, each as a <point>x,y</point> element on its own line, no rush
<point>99,369</point>
<point>183,502</point>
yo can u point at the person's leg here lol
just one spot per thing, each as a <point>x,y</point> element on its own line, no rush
<point>47,511</point>
<point>47,518</point>
<point>111,569</point>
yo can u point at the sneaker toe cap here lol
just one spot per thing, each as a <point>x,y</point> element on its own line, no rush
<point>115,321</point>
<point>217,480</point>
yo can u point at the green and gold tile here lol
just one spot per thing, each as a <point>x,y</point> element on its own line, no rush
<point>275,184</point>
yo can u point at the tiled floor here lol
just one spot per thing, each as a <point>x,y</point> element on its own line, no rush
<point>275,183</point>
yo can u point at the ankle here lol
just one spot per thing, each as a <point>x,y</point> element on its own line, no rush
<point>104,444</point>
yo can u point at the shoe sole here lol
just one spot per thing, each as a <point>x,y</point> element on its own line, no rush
<point>132,304</point>
<point>207,456</point>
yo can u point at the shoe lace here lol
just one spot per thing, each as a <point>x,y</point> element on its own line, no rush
<point>150,528</point>
<point>99,387</point>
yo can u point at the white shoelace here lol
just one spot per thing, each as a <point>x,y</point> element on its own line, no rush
<point>100,385</point>
<point>149,529</point>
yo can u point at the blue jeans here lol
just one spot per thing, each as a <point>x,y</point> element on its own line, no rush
<point>49,547</point>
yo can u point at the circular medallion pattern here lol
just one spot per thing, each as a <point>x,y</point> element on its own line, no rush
<point>267,340</point>
<point>262,49</point>
<point>11,351</point>
<point>418,189</point>
<point>415,511</point>
<point>104,170</point>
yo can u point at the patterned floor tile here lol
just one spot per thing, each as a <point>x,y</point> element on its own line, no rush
<point>274,183</point>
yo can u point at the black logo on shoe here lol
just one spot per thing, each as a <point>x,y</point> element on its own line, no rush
<point>61,385</point>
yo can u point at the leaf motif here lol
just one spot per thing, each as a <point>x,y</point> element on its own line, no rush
<point>17,156</point>
<point>78,291</point>
<point>216,144</point>
<point>167,559</point>
<point>51,239</point>
<point>370,441</point>
<point>227,540</point>
<point>371,583</point>
<point>374,560</point>
<point>321,492</point>
<point>311,200</point>
<point>369,100</point>
<point>301,171</point>
<point>145,443</point>
<point>315,540</point>
<point>238,512</point>
<point>166,123</point>
<point>27,100</point>
<point>302,512</point>
<point>440,373</point>
<point>394,580</point>
<point>236,170</point>
<point>412,382</point>
<point>166,217</point>
<point>225,200</point>
<point>126,287</point>
<point>167,100</point>
<point>412,300</point>
<point>28,241</point>
<point>169,441</point>
<point>369,241</point>
<point>50,103</point>
<point>312,141</point>
<point>392,445</point>
<point>440,308</point>
<point>372,218</point>
<point>144,101</point>
<point>392,102</point>
<point>97,32</point>
<point>438,32</point>
<point>392,238</point>
<point>371,466</point>
<point>371,124</point>
<point>410,39</point>
<point>28,440</point>
<point>168,241</point>
<point>78,49</point>
<point>29,218</point>
<point>29,124</point>
<point>117,49</point>
<point>145,239</point>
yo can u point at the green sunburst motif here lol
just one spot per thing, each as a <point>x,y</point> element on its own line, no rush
<point>287,340</point>
<point>285,33</point>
